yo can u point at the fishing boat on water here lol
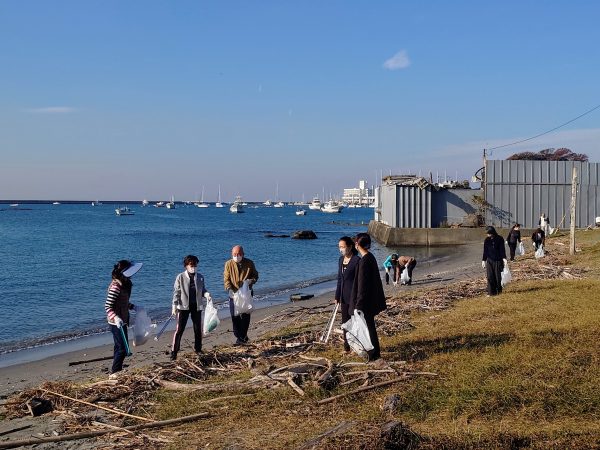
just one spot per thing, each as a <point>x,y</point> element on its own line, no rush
<point>124,211</point>
<point>237,206</point>
<point>301,212</point>
<point>331,207</point>
<point>315,204</point>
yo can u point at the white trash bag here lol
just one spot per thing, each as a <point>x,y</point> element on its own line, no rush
<point>404,278</point>
<point>142,326</point>
<point>211,318</point>
<point>520,249</point>
<point>357,334</point>
<point>506,276</point>
<point>242,300</point>
<point>539,253</point>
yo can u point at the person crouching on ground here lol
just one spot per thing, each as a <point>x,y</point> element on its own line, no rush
<point>237,270</point>
<point>346,273</point>
<point>406,263</point>
<point>494,260</point>
<point>188,294</point>
<point>538,238</point>
<point>367,292</point>
<point>117,308</point>
<point>391,265</point>
<point>514,239</point>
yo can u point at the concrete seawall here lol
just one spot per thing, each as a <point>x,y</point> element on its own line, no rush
<point>406,237</point>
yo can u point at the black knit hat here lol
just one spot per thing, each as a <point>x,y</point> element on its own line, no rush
<point>490,230</point>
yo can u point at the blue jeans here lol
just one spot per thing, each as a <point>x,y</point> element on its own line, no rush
<point>120,351</point>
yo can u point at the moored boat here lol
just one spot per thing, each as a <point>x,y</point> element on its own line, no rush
<point>124,211</point>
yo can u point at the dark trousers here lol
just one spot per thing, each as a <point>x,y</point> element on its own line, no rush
<point>512,246</point>
<point>120,351</point>
<point>182,318</point>
<point>240,323</point>
<point>494,276</point>
<point>345,318</point>
<point>376,352</point>
<point>411,265</point>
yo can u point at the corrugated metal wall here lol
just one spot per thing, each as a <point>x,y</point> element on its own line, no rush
<point>519,191</point>
<point>406,206</point>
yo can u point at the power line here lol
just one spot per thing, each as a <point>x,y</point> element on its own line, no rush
<point>546,132</point>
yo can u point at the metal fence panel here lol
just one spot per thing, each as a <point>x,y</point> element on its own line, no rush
<point>519,191</point>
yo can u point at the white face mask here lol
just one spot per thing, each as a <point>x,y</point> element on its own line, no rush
<point>237,259</point>
<point>344,251</point>
<point>191,269</point>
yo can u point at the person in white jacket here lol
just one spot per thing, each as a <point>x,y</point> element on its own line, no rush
<point>189,298</point>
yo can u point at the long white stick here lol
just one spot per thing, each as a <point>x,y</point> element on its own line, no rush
<point>330,325</point>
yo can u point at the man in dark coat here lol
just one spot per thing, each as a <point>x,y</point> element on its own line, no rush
<point>494,260</point>
<point>367,293</point>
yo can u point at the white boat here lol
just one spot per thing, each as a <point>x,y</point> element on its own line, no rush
<point>202,204</point>
<point>96,203</point>
<point>56,203</point>
<point>124,211</point>
<point>171,204</point>
<point>219,204</point>
<point>14,205</point>
<point>315,204</point>
<point>301,212</point>
<point>268,203</point>
<point>159,204</point>
<point>331,207</point>
<point>279,205</point>
<point>237,206</point>
<point>145,202</point>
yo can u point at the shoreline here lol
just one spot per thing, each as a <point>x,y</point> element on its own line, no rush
<point>462,263</point>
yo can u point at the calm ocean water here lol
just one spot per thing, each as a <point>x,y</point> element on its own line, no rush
<point>57,260</point>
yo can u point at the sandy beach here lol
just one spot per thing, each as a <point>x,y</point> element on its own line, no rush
<point>460,262</point>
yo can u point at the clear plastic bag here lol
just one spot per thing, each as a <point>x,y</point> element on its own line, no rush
<point>520,249</point>
<point>357,334</point>
<point>404,278</point>
<point>242,300</point>
<point>539,253</point>
<point>211,318</point>
<point>142,326</point>
<point>506,276</point>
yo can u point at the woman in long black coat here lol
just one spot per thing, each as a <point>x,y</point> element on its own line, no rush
<point>346,273</point>
<point>367,292</point>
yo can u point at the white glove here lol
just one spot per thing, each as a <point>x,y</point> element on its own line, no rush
<point>483,264</point>
<point>395,283</point>
<point>207,296</point>
<point>358,311</point>
<point>118,321</point>
<point>505,262</point>
<point>174,310</point>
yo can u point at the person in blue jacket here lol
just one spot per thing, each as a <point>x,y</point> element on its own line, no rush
<point>346,272</point>
<point>391,265</point>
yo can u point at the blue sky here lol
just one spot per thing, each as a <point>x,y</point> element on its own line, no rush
<point>148,99</point>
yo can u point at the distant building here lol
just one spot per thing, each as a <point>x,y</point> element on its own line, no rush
<point>360,196</point>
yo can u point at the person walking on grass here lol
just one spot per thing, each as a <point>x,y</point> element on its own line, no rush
<point>407,263</point>
<point>346,272</point>
<point>237,270</point>
<point>513,239</point>
<point>367,292</point>
<point>391,265</point>
<point>494,260</point>
<point>189,293</point>
<point>117,308</point>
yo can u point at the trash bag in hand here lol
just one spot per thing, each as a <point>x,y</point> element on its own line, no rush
<point>357,334</point>
<point>142,326</point>
<point>242,300</point>
<point>211,318</point>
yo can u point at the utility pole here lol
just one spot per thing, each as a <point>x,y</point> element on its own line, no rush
<point>573,201</point>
